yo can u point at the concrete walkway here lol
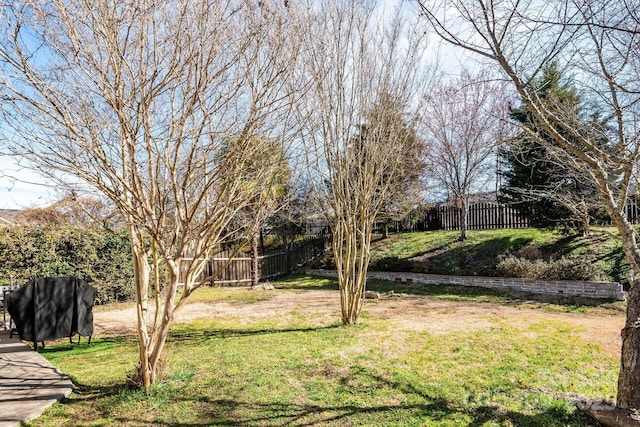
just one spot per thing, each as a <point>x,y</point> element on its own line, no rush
<point>28,382</point>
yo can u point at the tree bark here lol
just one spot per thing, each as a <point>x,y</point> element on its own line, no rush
<point>608,415</point>
<point>162,325</point>
<point>464,219</point>
<point>629,378</point>
<point>352,243</point>
<point>141,273</point>
<point>255,262</point>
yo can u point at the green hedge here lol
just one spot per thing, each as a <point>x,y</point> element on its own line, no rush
<point>100,258</point>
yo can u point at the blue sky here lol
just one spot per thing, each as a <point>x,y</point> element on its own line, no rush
<point>18,188</point>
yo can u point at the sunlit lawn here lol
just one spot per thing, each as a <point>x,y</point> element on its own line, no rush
<point>312,372</point>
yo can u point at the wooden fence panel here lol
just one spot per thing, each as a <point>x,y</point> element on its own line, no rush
<point>481,216</point>
<point>489,216</point>
<point>238,269</point>
<point>632,210</point>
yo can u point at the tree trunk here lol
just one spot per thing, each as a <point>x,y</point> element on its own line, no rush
<point>581,210</point>
<point>255,262</point>
<point>629,377</point>
<point>151,343</point>
<point>141,275</point>
<point>385,231</point>
<point>285,239</point>
<point>464,218</point>
<point>609,415</point>
<point>351,243</point>
<point>261,241</point>
<point>162,326</point>
<point>586,225</point>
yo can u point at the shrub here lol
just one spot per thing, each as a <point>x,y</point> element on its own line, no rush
<point>392,263</point>
<point>572,269</point>
<point>529,252</point>
<point>101,259</point>
<point>324,261</point>
<point>512,266</point>
<point>562,269</point>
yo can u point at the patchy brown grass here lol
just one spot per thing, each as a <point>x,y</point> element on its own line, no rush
<point>408,313</point>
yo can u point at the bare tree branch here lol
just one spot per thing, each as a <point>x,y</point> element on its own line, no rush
<point>135,100</point>
<point>358,59</point>
<point>598,45</point>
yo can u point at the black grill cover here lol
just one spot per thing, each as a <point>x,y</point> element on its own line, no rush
<point>48,308</point>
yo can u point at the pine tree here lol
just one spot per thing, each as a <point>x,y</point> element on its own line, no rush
<point>538,182</point>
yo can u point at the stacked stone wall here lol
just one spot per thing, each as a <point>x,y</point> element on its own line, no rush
<point>561,288</point>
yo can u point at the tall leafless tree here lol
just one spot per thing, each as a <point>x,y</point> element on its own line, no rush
<point>597,41</point>
<point>134,100</point>
<point>464,120</point>
<point>356,53</point>
<point>266,197</point>
<point>407,187</point>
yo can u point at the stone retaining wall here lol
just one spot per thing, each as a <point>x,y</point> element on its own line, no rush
<point>562,288</point>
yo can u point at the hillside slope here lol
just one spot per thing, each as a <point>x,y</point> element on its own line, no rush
<point>440,252</point>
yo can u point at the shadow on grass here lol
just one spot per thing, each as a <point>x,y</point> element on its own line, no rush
<point>566,245</point>
<point>187,334</point>
<point>476,294</point>
<point>455,258</point>
<point>474,258</point>
<point>437,410</point>
<point>97,345</point>
<point>443,245</point>
<point>304,282</point>
<point>619,270</point>
<point>227,411</point>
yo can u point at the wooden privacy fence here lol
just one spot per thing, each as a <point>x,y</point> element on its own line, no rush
<point>237,270</point>
<point>632,209</point>
<point>487,216</point>
<point>482,216</point>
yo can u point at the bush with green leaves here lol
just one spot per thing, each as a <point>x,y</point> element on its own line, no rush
<point>100,258</point>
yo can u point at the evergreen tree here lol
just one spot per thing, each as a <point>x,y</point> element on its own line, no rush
<point>538,182</point>
<point>387,121</point>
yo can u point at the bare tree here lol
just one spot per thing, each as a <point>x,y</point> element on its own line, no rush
<point>135,100</point>
<point>406,186</point>
<point>464,120</point>
<point>88,212</point>
<point>595,40</point>
<point>355,55</point>
<point>266,197</point>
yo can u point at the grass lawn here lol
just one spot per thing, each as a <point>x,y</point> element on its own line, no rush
<point>306,369</point>
<point>440,252</point>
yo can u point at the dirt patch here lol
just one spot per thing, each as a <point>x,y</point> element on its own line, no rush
<point>411,313</point>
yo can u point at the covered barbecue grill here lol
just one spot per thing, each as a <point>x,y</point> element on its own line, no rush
<point>48,308</point>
